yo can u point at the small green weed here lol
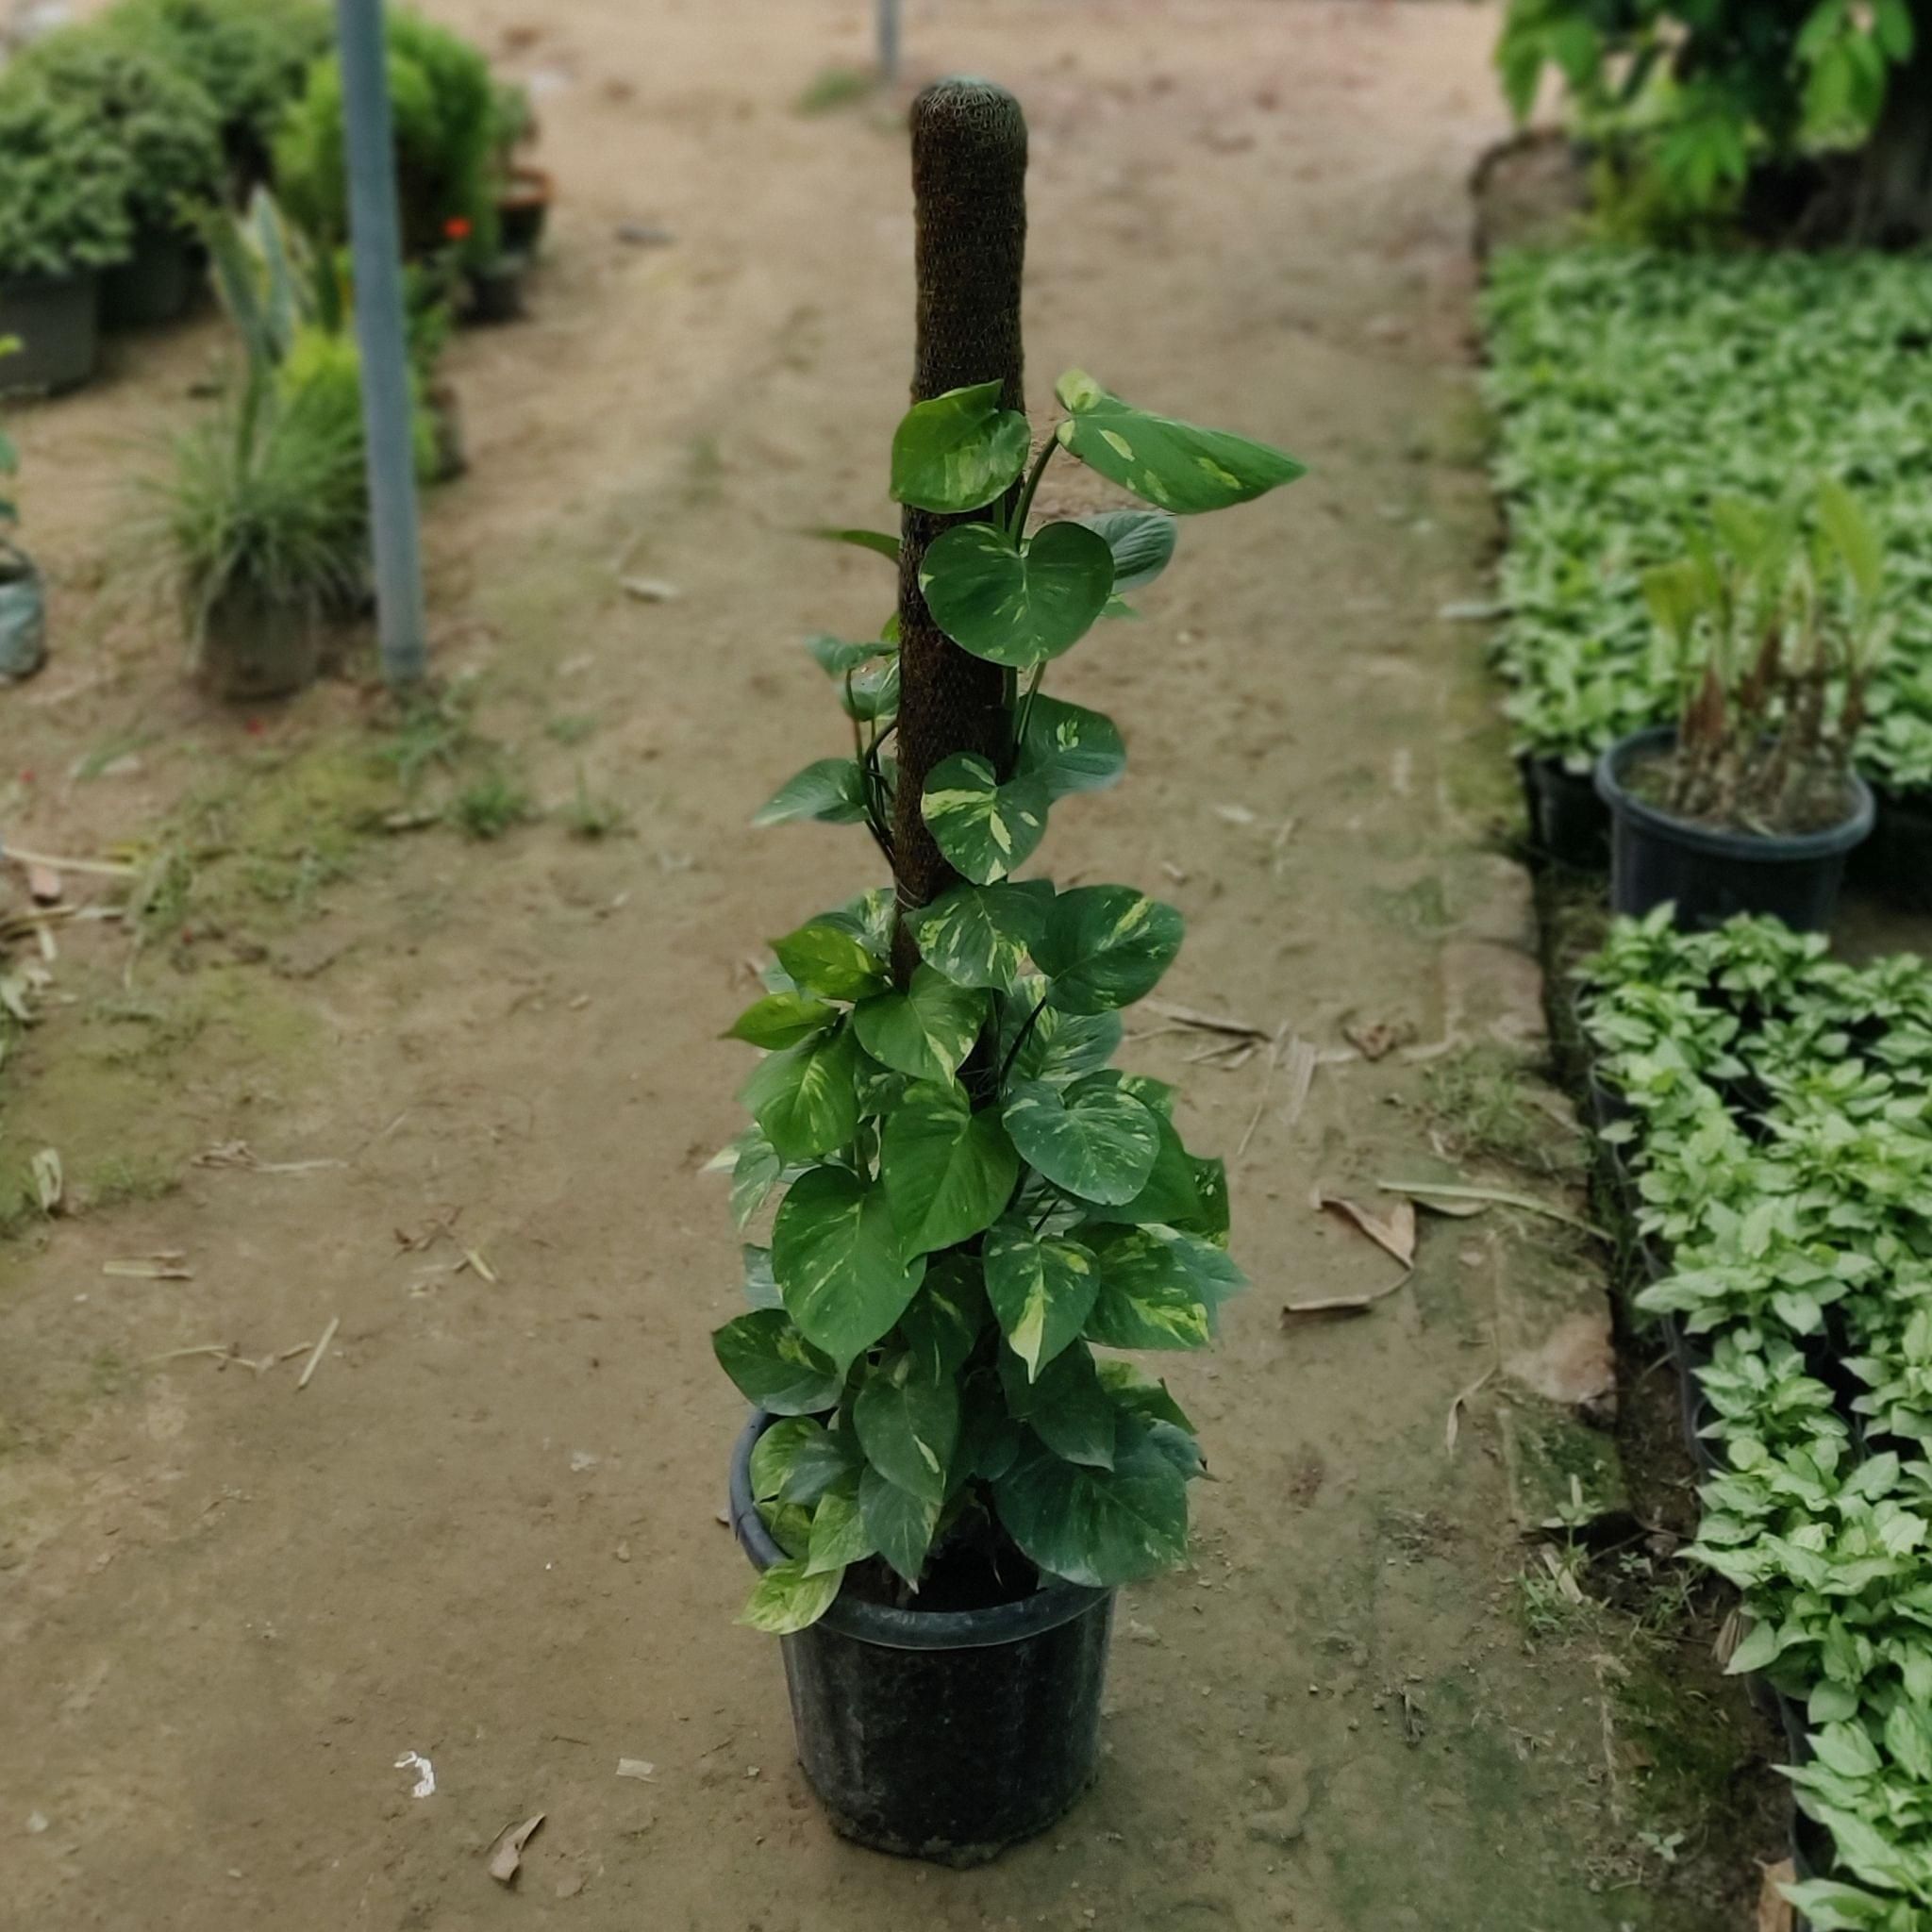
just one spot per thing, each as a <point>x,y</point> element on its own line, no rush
<point>490,806</point>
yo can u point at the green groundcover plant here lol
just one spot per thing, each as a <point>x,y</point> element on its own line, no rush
<point>1633,390</point>
<point>972,1205</point>
<point>1781,1133</point>
<point>1698,94</point>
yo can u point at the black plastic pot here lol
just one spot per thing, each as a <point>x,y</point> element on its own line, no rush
<point>154,285</point>
<point>523,209</point>
<point>57,319</point>
<point>249,646</point>
<point>1896,862</point>
<point>1712,875</point>
<point>496,292</point>
<point>941,1735</point>
<point>1568,821</point>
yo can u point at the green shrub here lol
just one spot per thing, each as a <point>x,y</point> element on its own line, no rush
<point>158,120</point>
<point>1701,92</point>
<point>251,57</point>
<point>63,190</point>
<point>444,105</point>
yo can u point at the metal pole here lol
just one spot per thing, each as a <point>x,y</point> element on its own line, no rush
<point>888,40</point>
<point>375,253</point>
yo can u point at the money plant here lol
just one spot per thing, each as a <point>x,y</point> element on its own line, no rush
<point>975,1212</point>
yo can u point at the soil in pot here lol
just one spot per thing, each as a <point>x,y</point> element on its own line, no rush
<point>523,209</point>
<point>1713,873</point>
<point>23,617</point>
<point>153,286</point>
<point>942,1733</point>
<point>251,646</point>
<point>56,319</point>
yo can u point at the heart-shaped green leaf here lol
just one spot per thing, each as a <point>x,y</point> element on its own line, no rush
<point>1100,1528</point>
<point>774,1367</point>
<point>787,1598</point>
<point>959,451</point>
<point>837,1262</point>
<point>943,1323</point>
<point>782,1019</point>
<point>1177,465</point>
<point>827,957</point>
<point>1106,946</point>
<point>946,1170</point>
<point>839,1535</point>
<point>1073,749</point>
<point>925,1031</point>
<point>1150,1296</point>
<point>1142,540</point>
<point>872,694</point>
<point>1055,1047</point>
<point>899,1523</point>
<point>1012,605</point>
<point>1066,1406</point>
<point>984,828</point>
<point>830,790</point>
<point>980,935</point>
<point>1092,1140</point>
<point>805,1098</point>
<point>908,1425</point>
<point>1041,1287</point>
<point>1172,1196</point>
<point>835,656</point>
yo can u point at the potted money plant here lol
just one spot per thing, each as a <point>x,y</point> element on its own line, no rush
<point>951,1466</point>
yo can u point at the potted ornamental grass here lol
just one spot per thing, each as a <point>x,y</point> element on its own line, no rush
<point>23,599</point>
<point>166,130</point>
<point>1750,804</point>
<point>63,218</point>
<point>975,1219</point>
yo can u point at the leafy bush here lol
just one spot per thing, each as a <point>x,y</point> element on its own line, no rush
<point>444,105</point>
<point>160,122</point>
<point>1703,91</point>
<point>266,496</point>
<point>972,1202</point>
<point>63,190</point>
<point>250,56</point>
<point>1633,390</point>
<point>1782,1138</point>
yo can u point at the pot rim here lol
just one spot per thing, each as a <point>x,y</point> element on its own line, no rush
<point>1047,1609</point>
<point>1751,847</point>
<point>526,185</point>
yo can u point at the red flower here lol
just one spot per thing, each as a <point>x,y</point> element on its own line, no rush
<point>457,227</point>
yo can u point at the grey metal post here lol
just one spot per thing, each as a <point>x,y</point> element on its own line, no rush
<point>888,39</point>
<point>375,252</point>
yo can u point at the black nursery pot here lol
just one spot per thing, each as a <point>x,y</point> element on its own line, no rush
<point>1568,821</point>
<point>153,286</point>
<point>1712,875</point>
<point>942,1735</point>
<point>1896,861</point>
<point>56,319</point>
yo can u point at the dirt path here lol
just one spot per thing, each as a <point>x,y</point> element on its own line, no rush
<point>485,1532</point>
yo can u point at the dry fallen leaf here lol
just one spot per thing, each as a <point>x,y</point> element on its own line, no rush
<point>507,1854</point>
<point>1379,1039</point>
<point>1395,1235</point>
<point>1775,1911</point>
<point>638,1768</point>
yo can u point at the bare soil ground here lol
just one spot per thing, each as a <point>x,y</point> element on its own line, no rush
<point>478,1079</point>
